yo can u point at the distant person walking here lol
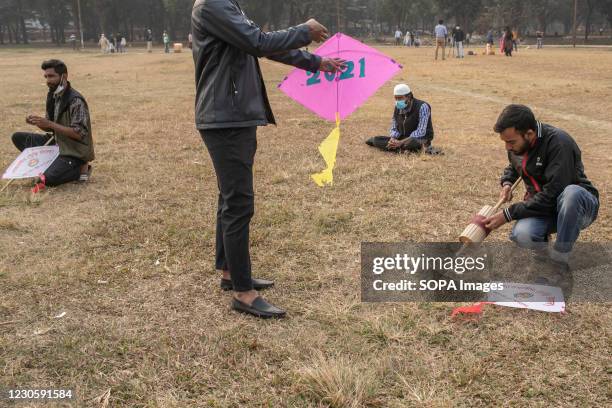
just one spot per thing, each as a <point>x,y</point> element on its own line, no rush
<point>116,42</point>
<point>190,40</point>
<point>149,38</point>
<point>398,37</point>
<point>166,39</point>
<point>507,45</point>
<point>490,38</point>
<point>515,40</point>
<point>123,44</point>
<point>540,39</point>
<point>73,41</point>
<point>407,39</point>
<point>441,34</point>
<point>458,38</point>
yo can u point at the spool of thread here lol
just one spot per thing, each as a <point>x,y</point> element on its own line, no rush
<point>476,231</point>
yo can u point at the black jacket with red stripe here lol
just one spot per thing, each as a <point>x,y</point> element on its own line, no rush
<point>551,164</point>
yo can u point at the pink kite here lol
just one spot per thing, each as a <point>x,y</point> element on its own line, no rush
<point>343,92</point>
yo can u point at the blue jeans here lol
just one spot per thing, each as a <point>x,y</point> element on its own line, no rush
<point>576,210</point>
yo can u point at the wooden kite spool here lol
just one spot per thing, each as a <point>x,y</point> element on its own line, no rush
<point>476,231</point>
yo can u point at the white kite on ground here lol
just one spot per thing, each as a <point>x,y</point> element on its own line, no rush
<point>521,296</point>
<point>32,162</point>
<point>526,296</point>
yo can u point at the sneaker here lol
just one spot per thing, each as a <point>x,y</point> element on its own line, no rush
<point>84,177</point>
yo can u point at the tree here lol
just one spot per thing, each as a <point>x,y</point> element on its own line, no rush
<point>605,8</point>
<point>464,12</point>
<point>130,18</point>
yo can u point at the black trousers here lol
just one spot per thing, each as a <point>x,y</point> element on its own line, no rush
<point>233,152</point>
<point>381,142</point>
<point>63,170</point>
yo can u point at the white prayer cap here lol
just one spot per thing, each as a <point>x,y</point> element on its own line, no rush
<point>401,90</point>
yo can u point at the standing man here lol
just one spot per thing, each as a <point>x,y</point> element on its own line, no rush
<point>116,39</point>
<point>73,42</point>
<point>515,40</point>
<point>149,38</point>
<point>231,101</point>
<point>441,34</point>
<point>398,37</point>
<point>166,39</point>
<point>490,38</point>
<point>540,39</point>
<point>67,119</point>
<point>458,38</point>
<point>506,42</point>
<point>560,198</point>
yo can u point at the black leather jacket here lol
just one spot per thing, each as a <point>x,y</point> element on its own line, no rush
<point>552,163</point>
<point>230,91</point>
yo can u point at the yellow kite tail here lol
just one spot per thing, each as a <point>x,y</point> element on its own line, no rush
<point>328,149</point>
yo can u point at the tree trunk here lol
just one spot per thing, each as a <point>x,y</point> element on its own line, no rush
<point>292,19</point>
<point>24,31</point>
<point>588,19</point>
<point>15,34</point>
<point>21,23</point>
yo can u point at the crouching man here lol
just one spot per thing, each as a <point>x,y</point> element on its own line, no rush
<point>411,127</point>
<point>560,199</point>
<point>67,120</point>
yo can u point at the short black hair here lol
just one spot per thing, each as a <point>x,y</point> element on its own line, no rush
<point>57,65</point>
<point>440,21</point>
<point>519,117</point>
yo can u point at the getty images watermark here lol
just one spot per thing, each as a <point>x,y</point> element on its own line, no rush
<point>443,272</point>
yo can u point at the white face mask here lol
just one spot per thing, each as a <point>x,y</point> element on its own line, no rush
<point>62,85</point>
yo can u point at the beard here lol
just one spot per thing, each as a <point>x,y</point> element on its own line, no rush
<point>524,148</point>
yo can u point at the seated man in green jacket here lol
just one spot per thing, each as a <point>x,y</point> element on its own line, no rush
<point>66,119</point>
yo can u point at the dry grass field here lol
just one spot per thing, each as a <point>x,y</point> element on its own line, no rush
<point>129,256</point>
